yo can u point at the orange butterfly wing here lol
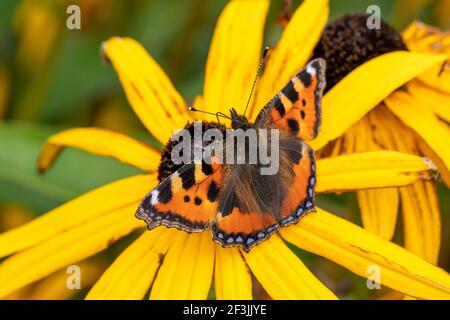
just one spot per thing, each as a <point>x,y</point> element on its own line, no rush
<point>300,198</point>
<point>186,200</point>
<point>243,229</point>
<point>295,110</point>
<point>232,227</point>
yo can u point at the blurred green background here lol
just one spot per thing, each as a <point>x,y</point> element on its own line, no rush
<point>53,78</point>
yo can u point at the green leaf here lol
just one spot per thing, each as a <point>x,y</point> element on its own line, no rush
<point>74,173</point>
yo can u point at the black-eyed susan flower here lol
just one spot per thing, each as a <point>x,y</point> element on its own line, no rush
<point>408,115</point>
<point>175,264</point>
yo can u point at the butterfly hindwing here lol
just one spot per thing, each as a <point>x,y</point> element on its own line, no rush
<point>243,229</point>
<point>186,200</point>
<point>248,206</point>
<point>295,110</point>
<point>236,225</point>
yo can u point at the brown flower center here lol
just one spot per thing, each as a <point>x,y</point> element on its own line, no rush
<point>347,43</point>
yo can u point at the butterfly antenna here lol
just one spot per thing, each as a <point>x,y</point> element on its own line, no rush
<point>261,64</point>
<point>217,114</point>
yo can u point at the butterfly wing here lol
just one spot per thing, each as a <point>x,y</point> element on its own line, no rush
<point>244,217</point>
<point>299,198</point>
<point>243,229</point>
<point>186,200</point>
<point>295,110</point>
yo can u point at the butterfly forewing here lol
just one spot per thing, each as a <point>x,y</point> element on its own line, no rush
<point>295,110</point>
<point>300,197</point>
<point>186,200</point>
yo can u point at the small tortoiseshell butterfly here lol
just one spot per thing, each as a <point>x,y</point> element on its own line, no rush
<point>240,206</point>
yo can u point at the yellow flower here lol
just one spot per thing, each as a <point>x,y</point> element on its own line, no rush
<point>178,265</point>
<point>410,115</point>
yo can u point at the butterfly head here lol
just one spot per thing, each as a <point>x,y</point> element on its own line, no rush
<point>238,121</point>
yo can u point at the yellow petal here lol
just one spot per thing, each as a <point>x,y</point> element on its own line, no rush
<point>66,248</point>
<point>81,210</point>
<point>379,208</point>
<point>101,142</point>
<point>349,142</point>
<point>375,169</point>
<point>54,287</point>
<point>293,50</point>
<point>150,92</point>
<point>232,279</point>
<point>234,55</point>
<point>423,38</point>
<point>421,220</point>
<point>282,274</point>
<point>131,274</point>
<point>437,77</point>
<point>356,249</point>
<point>444,172</point>
<point>21,294</point>
<point>337,148</point>
<point>423,122</point>
<point>437,101</point>
<point>365,87</point>
<point>420,212</point>
<point>394,295</point>
<point>380,120</point>
<point>187,269</point>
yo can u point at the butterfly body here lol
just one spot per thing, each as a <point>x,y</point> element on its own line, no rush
<point>239,121</point>
<point>241,206</point>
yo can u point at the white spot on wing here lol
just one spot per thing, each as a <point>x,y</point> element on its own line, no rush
<point>311,70</point>
<point>154,198</point>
